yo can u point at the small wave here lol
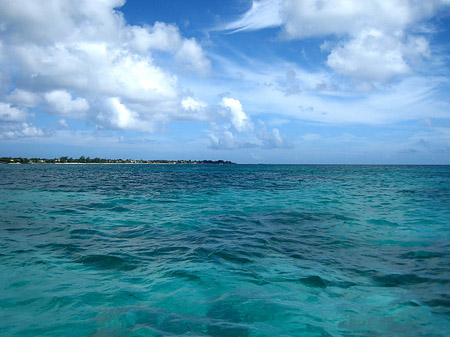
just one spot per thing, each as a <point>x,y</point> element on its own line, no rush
<point>106,262</point>
<point>383,222</point>
<point>438,302</point>
<point>66,211</point>
<point>119,209</point>
<point>400,280</point>
<point>187,275</point>
<point>314,281</point>
<point>406,192</point>
<point>111,206</point>
<point>84,231</point>
<point>421,255</point>
<point>230,257</point>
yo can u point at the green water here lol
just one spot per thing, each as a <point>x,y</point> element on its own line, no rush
<point>224,250</point>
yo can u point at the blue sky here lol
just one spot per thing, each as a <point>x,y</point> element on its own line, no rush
<point>268,81</point>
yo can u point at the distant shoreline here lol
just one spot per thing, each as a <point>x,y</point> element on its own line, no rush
<point>87,160</point>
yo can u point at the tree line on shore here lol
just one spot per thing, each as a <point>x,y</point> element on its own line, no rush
<point>88,160</point>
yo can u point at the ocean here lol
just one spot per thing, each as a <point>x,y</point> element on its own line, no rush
<point>224,250</point>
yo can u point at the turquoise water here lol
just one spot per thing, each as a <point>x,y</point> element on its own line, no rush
<point>238,250</point>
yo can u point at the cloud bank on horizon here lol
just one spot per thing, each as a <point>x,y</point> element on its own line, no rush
<point>280,81</point>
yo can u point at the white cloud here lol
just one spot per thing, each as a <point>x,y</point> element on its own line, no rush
<point>307,18</point>
<point>54,21</point>
<point>262,14</point>
<point>226,140</point>
<point>192,104</point>
<point>239,119</point>
<point>63,123</point>
<point>19,130</point>
<point>243,133</point>
<point>374,41</point>
<point>119,116</point>
<point>9,113</point>
<point>82,56</point>
<point>272,139</point>
<point>375,56</point>
<point>61,103</point>
<point>167,37</point>
<point>335,17</point>
<point>193,55</point>
<point>23,98</point>
<point>160,36</point>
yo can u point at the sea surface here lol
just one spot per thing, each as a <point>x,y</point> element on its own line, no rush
<point>224,250</point>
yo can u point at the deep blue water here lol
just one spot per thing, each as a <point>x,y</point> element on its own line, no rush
<point>238,250</point>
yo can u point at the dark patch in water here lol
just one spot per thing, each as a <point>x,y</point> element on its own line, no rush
<point>225,319</point>
<point>165,251</point>
<point>438,302</point>
<point>106,262</point>
<point>84,231</point>
<point>106,206</point>
<point>383,222</point>
<point>421,255</point>
<point>313,281</point>
<point>407,192</point>
<point>119,209</point>
<point>412,304</point>
<point>316,330</point>
<point>22,251</point>
<point>13,229</point>
<point>399,280</point>
<point>232,257</point>
<point>225,330</point>
<point>343,284</point>
<point>65,211</point>
<point>184,274</point>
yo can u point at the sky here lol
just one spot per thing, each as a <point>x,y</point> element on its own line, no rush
<point>264,81</point>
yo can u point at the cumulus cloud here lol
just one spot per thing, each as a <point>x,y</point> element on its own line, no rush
<point>61,103</point>
<point>167,37</point>
<point>192,54</point>
<point>374,39</point>
<point>23,98</point>
<point>9,113</point>
<point>272,139</point>
<point>117,115</point>
<point>334,17</point>
<point>84,61</point>
<point>160,36</point>
<point>241,132</point>
<point>225,139</point>
<point>192,104</point>
<point>196,109</point>
<point>372,55</point>
<point>19,130</point>
<point>239,119</point>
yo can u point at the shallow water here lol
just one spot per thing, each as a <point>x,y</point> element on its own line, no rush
<point>232,250</point>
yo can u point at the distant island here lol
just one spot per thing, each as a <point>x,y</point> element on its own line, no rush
<point>87,160</point>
